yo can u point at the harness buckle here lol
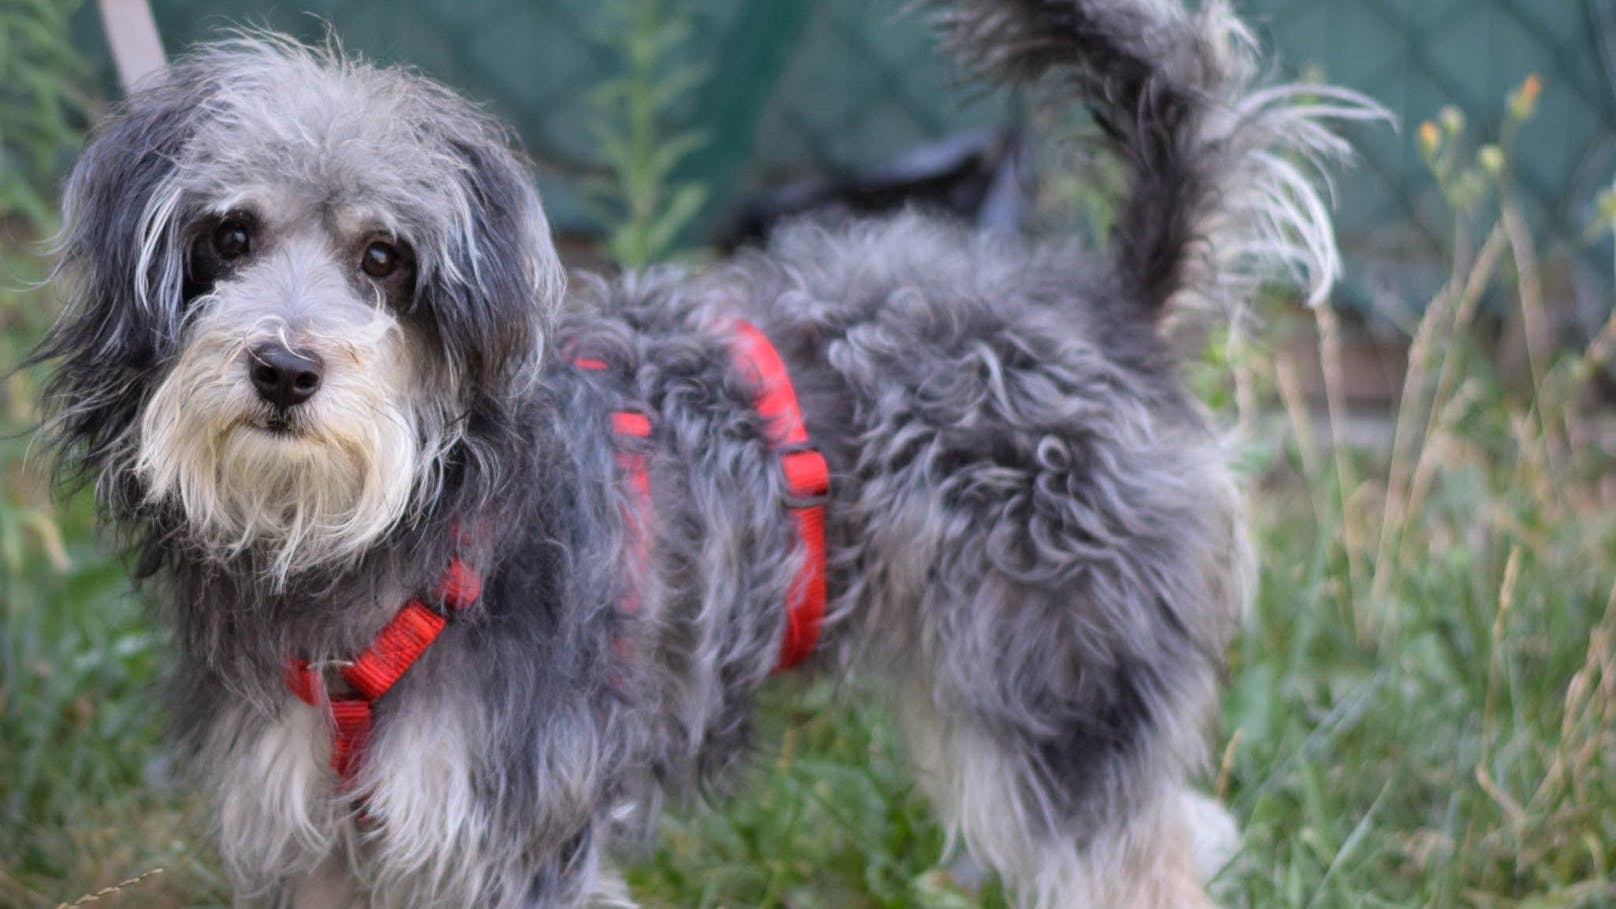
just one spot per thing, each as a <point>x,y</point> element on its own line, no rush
<point>310,681</point>
<point>807,476</point>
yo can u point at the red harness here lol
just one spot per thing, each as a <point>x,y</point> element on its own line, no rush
<point>380,665</point>
<point>415,627</point>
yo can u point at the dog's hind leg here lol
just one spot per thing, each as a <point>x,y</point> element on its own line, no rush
<point>1138,856</point>
<point>1056,656</point>
<point>1057,721</point>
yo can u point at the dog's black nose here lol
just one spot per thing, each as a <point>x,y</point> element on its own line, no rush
<point>283,378</point>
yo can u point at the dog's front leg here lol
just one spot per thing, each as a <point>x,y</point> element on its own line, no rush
<point>610,892</point>
<point>326,887</point>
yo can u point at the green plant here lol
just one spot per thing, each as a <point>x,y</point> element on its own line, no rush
<point>76,653</point>
<point>644,208</point>
<point>40,103</point>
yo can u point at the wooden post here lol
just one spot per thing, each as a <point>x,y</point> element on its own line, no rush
<point>132,35</point>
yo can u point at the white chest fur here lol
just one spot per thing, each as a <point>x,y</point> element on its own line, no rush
<point>285,816</point>
<point>273,792</point>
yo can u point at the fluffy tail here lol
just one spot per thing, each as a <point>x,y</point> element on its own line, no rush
<point>1223,172</point>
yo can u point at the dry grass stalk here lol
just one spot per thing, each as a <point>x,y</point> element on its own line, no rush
<point>1329,330</point>
<point>1436,445</point>
<point>1460,299</point>
<point>1534,321</point>
<point>1296,412</point>
<point>113,890</point>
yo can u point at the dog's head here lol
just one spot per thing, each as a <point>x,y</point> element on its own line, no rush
<point>299,284</point>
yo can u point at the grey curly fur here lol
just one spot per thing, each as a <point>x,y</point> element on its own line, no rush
<point>1033,541</point>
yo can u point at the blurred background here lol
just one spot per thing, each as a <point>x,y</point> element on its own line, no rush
<point>1422,707</point>
<point>787,90</point>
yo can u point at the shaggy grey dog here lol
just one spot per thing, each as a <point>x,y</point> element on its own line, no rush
<point>319,347</point>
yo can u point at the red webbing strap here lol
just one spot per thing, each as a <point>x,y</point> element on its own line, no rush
<point>806,474</point>
<point>398,645</point>
<point>380,665</point>
<point>807,481</point>
<point>637,515</point>
<point>350,733</point>
<point>638,425</point>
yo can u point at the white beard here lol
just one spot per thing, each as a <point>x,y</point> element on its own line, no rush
<point>315,495</point>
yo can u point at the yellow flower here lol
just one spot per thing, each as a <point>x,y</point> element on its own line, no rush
<point>1430,138</point>
<point>1523,101</point>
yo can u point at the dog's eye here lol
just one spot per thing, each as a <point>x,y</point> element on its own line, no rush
<point>379,259</point>
<point>231,239</point>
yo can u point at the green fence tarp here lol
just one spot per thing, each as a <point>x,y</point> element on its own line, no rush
<point>797,87</point>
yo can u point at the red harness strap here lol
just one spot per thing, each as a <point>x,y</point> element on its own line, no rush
<point>379,666</point>
<point>632,424</point>
<point>807,482</point>
<point>806,473</point>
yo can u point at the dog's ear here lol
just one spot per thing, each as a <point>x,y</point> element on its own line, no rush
<point>495,298</point>
<point>120,227</point>
<point>122,262</point>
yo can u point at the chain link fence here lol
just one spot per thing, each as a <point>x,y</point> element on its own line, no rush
<point>1415,57</point>
<point>798,87</point>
